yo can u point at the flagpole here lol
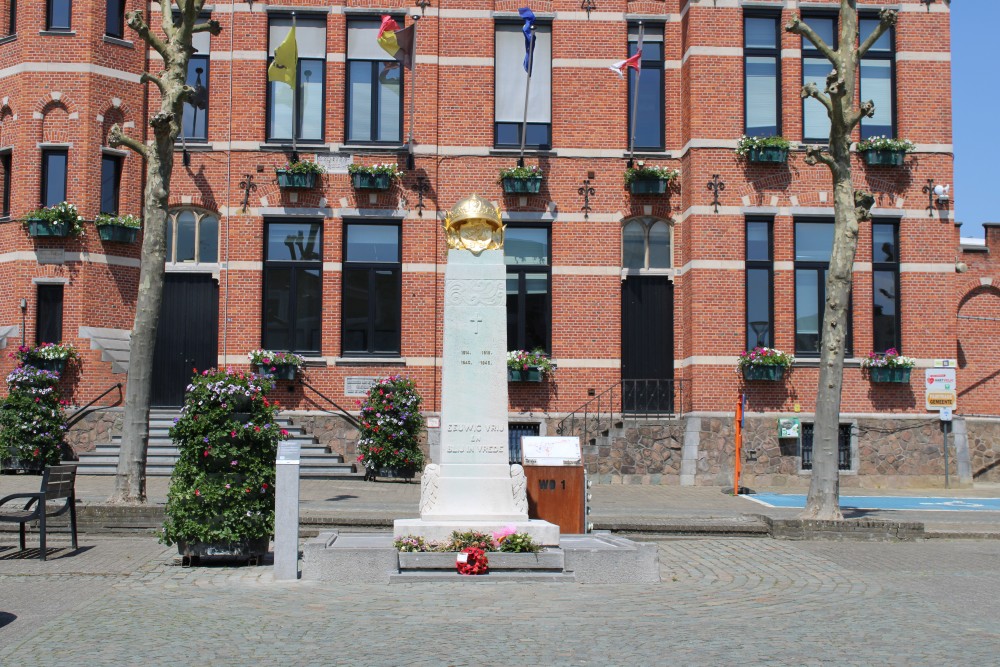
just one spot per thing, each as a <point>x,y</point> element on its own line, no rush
<point>413,91</point>
<point>527,90</point>
<point>295,110</point>
<point>635,97</point>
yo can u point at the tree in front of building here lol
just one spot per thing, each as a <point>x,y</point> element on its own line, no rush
<point>180,20</point>
<point>850,206</point>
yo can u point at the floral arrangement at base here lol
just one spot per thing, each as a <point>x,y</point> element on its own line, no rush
<point>506,540</point>
<point>63,212</point>
<point>303,167</point>
<point>270,359</point>
<point>384,169</point>
<point>390,425</point>
<point>32,420</point>
<point>764,356</point>
<point>642,172</point>
<point>472,560</point>
<point>130,221</point>
<point>891,358</point>
<point>520,172</point>
<point>222,487</point>
<point>747,144</point>
<point>522,360</point>
<point>884,143</point>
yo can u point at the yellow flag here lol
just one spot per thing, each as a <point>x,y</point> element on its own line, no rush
<point>286,58</point>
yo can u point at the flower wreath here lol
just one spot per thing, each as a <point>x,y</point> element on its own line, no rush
<point>476,562</point>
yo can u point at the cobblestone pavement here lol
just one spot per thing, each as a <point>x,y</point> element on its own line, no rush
<point>122,601</point>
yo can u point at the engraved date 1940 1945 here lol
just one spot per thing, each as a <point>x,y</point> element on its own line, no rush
<point>485,358</point>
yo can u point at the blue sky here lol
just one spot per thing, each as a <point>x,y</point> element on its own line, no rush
<point>976,109</point>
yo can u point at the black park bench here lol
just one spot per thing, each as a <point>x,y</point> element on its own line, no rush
<point>57,496</point>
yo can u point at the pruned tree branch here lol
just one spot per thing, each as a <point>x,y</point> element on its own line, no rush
<point>834,82</point>
<point>160,122</point>
<point>810,90</point>
<point>118,138</point>
<point>863,203</point>
<point>212,26</point>
<point>886,19</point>
<point>149,78</point>
<point>136,21</point>
<point>866,110</point>
<point>797,27</point>
<point>815,154</point>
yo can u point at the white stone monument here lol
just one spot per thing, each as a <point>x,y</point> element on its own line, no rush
<point>473,486</point>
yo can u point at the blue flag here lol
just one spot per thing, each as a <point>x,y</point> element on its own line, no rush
<point>529,39</point>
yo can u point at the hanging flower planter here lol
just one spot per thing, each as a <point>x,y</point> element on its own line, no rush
<point>276,365</point>
<point>50,365</point>
<point>57,221</point>
<point>374,177</point>
<point>768,155</point>
<point>286,372</point>
<point>533,374</point>
<point>885,152</point>
<point>882,158</point>
<point>521,180</point>
<point>766,150</point>
<point>764,364</point>
<point>524,366</point>
<point>761,373</point>
<point>118,229</point>
<point>288,180</point>
<point>643,180</point>
<point>889,375</point>
<point>41,228</point>
<point>889,367</point>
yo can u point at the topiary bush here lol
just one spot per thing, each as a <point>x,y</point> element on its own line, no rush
<point>32,420</point>
<point>222,488</point>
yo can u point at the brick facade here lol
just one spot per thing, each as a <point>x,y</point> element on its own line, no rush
<point>68,89</point>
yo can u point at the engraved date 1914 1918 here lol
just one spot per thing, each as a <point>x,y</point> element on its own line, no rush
<point>485,358</point>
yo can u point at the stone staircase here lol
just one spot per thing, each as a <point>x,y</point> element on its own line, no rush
<point>163,453</point>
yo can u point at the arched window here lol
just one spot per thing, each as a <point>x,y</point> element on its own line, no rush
<point>192,237</point>
<point>646,244</point>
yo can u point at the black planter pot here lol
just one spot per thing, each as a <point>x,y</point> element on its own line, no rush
<point>878,157</point>
<point>406,473</point>
<point>42,228</point>
<point>292,181</point>
<point>647,186</point>
<point>54,365</point>
<point>768,155</point>
<point>117,233</point>
<point>761,373</point>
<point>242,417</point>
<point>528,185</point>
<point>14,466</point>
<point>363,181</point>
<point>282,372</point>
<point>249,549</point>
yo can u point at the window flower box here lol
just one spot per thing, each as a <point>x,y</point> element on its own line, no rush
<point>532,374</point>
<point>118,229</point>
<point>41,228</point>
<point>289,180</point>
<point>643,180</point>
<point>276,365</point>
<point>763,373</point>
<point>57,221</point>
<point>50,357</point>
<point>374,177</point>
<point>889,375</point>
<point>278,372</point>
<point>766,150</point>
<point>885,152</point>
<point>884,158</point>
<point>524,366</point>
<point>764,364</point>
<point>521,180</point>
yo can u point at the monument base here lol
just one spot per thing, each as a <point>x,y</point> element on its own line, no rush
<point>542,532</point>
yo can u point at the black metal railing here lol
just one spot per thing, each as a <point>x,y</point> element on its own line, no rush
<point>514,434</point>
<point>626,400</point>
<point>87,409</point>
<point>341,412</point>
<point>843,447</point>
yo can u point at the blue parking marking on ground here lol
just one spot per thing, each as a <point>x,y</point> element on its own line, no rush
<point>922,503</point>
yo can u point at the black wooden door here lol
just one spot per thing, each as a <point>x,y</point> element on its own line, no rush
<point>647,344</point>
<point>187,337</point>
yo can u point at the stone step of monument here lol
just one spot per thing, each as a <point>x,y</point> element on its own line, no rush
<point>493,576</point>
<point>550,560</point>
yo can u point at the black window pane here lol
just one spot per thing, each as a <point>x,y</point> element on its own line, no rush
<point>5,185</point>
<point>208,239</point>
<point>184,249</point>
<point>758,242</point>
<point>513,306</point>
<point>110,184</point>
<point>355,298</point>
<point>54,177</point>
<point>293,241</point>
<point>170,238</point>
<point>758,307</point>
<point>652,52</point>
<point>807,310</point>
<point>536,311</point>
<point>195,117</point>
<point>278,308</point>
<point>372,243</point>
<point>308,309</point>
<point>759,33</point>
<point>884,243</point>
<point>884,310</point>
<point>388,311</point>
<point>59,14</point>
<point>649,117</point>
<point>389,101</point>
<point>49,314</point>
<point>114,25</point>
<point>509,134</point>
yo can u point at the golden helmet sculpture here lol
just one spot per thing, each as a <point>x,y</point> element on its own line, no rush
<point>474,224</point>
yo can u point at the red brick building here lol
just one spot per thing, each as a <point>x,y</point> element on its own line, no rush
<point>616,286</point>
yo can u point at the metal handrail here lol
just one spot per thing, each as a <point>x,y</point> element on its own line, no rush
<point>653,398</point>
<point>83,412</point>
<point>344,414</point>
<point>603,402</point>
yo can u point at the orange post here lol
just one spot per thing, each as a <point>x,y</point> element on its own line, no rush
<point>737,464</point>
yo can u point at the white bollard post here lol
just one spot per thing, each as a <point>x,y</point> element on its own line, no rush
<point>286,513</point>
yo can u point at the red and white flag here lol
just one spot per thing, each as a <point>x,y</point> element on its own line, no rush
<point>635,62</point>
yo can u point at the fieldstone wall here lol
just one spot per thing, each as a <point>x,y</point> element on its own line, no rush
<point>984,449</point>
<point>638,453</point>
<point>94,429</point>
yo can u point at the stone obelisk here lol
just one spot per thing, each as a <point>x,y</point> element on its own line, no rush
<point>473,486</point>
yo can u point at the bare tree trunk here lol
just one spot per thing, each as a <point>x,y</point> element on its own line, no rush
<point>850,206</point>
<point>130,478</point>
